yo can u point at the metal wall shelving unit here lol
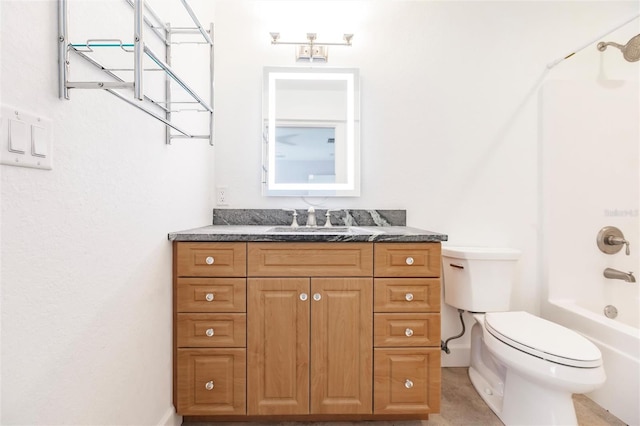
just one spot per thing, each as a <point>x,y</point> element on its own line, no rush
<point>160,109</point>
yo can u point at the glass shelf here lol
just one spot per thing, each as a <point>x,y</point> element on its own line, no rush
<point>161,110</point>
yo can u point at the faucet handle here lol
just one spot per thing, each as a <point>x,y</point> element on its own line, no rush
<point>294,222</point>
<point>610,240</point>
<point>327,223</point>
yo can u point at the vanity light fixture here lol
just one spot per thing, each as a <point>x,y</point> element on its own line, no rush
<point>311,50</point>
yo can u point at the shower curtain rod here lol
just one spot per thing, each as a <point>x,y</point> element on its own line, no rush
<point>557,61</point>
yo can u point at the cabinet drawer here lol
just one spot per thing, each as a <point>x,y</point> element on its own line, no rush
<point>211,381</point>
<point>212,330</point>
<point>310,259</point>
<point>211,294</point>
<point>407,380</point>
<point>406,295</point>
<point>406,330</point>
<point>211,259</point>
<point>407,260</point>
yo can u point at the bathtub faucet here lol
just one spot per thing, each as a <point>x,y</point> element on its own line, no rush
<point>619,275</point>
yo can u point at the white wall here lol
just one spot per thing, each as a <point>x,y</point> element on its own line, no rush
<point>86,264</point>
<point>449,107</point>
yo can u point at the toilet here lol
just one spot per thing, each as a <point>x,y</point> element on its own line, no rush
<point>524,367</point>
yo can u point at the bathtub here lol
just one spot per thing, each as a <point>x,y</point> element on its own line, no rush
<point>620,347</point>
<point>580,196</point>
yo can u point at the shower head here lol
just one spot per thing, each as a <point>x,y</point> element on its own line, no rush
<point>630,51</point>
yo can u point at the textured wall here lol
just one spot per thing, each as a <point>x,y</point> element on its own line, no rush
<point>86,264</point>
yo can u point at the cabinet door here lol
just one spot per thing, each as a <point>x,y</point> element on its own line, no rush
<point>407,380</point>
<point>211,381</point>
<point>341,345</point>
<point>278,346</point>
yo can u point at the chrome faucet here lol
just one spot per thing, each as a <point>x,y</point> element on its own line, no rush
<point>619,275</point>
<point>311,217</point>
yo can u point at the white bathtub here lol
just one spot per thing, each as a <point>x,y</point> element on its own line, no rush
<point>581,194</point>
<point>620,347</point>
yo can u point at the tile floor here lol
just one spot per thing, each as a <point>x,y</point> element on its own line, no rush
<point>461,406</point>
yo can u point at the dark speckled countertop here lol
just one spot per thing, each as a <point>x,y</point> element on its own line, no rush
<point>273,225</point>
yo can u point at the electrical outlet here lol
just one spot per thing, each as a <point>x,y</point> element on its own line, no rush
<point>222,196</point>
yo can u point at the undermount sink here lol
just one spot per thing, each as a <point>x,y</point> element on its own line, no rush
<point>306,229</point>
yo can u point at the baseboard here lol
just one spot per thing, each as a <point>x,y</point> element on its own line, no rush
<point>170,418</point>
<point>458,356</point>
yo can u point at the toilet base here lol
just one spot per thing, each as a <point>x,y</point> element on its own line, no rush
<point>515,396</point>
<point>522,405</point>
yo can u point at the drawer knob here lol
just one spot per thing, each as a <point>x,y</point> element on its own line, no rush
<point>409,260</point>
<point>317,297</point>
<point>408,332</point>
<point>408,384</point>
<point>210,332</point>
<point>408,297</point>
<point>210,260</point>
<point>209,385</point>
<point>209,297</point>
<point>303,296</point>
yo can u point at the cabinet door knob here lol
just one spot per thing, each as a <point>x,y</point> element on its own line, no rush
<point>408,297</point>
<point>408,332</point>
<point>409,260</point>
<point>210,332</point>
<point>209,297</point>
<point>408,384</point>
<point>210,260</point>
<point>317,297</point>
<point>303,296</point>
<point>209,385</point>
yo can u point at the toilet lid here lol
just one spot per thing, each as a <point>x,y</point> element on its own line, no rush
<point>543,339</point>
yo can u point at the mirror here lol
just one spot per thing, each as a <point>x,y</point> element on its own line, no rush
<point>311,120</point>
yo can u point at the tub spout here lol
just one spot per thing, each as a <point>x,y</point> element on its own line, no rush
<point>619,275</point>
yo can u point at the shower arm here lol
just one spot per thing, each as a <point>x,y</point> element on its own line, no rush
<point>557,61</point>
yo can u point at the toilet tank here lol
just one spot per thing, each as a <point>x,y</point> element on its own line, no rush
<point>479,279</point>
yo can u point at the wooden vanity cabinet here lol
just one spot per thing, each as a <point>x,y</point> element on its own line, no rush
<point>209,328</point>
<point>310,331</point>
<point>407,376</point>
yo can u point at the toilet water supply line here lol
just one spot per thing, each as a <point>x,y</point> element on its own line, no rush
<point>444,344</point>
<point>557,61</point>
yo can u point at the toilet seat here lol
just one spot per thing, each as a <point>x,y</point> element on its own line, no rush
<point>543,339</point>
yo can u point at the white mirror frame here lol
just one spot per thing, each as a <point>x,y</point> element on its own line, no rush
<point>348,188</point>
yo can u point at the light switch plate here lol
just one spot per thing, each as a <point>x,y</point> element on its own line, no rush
<point>26,140</point>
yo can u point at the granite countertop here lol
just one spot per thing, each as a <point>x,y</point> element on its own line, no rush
<point>302,234</point>
<point>273,225</point>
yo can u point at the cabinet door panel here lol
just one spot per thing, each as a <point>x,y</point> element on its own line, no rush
<point>211,330</point>
<point>211,295</point>
<point>211,259</point>
<point>407,295</point>
<point>407,381</point>
<point>341,345</point>
<point>268,259</point>
<point>278,346</point>
<point>407,260</point>
<point>406,329</point>
<point>211,381</point>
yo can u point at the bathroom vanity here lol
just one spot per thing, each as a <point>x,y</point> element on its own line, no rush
<point>301,324</point>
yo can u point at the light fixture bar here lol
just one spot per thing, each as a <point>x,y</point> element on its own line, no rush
<point>311,40</point>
